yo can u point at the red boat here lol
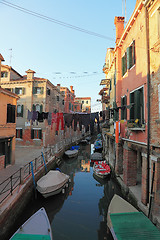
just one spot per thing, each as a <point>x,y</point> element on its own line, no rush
<point>101,169</point>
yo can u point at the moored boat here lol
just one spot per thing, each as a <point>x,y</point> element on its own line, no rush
<point>52,183</point>
<point>71,153</point>
<point>98,145</point>
<point>126,222</point>
<point>96,157</point>
<point>36,227</point>
<point>101,169</point>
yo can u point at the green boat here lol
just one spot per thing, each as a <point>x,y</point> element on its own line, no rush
<point>126,222</point>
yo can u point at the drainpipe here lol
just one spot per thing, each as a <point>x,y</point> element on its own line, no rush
<point>148,97</point>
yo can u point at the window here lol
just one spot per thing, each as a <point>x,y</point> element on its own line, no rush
<point>37,90</point>
<point>19,110</point>
<point>57,98</point>
<point>70,106</point>
<point>131,55</point>
<point>62,102</point>
<point>128,60</point>
<point>37,107</point>
<point>19,91</point>
<point>19,133</point>
<point>9,89</point>
<point>4,74</point>
<point>82,102</point>
<point>123,107</point>
<point>36,133</point>
<point>137,106</point>
<point>11,109</point>
<point>48,92</point>
<point>86,102</point>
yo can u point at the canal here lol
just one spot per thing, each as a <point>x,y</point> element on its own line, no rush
<point>80,212</point>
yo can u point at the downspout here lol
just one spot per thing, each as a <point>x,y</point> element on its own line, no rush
<point>148,98</point>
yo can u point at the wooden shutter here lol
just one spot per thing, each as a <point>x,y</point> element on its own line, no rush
<point>40,134</point>
<point>132,107</point>
<point>128,58</point>
<point>122,112</point>
<point>34,90</point>
<point>42,90</point>
<point>21,110</point>
<point>122,66</point>
<point>133,52</point>
<point>20,133</point>
<point>33,107</point>
<point>32,133</point>
<point>23,90</point>
<point>125,104</point>
<point>137,105</point>
<point>41,108</point>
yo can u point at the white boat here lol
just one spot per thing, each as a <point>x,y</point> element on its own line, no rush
<point>71,153</point>
<point>52,183</point>
<point>96,157</point>
<point>126,222</point>
<point>101,169</point>
<point>36,227</point>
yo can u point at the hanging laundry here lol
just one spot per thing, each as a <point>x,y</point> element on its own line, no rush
<point>68,119</point>
<point>49,118</point>
<point>60,119</point>
<point>29,115</point>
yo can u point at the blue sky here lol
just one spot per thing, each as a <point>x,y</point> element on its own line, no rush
<point>48,48</point>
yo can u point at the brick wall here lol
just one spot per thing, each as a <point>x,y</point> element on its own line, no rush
<point>2,162</point>
<point>129,167</point>
<point>119,159</point>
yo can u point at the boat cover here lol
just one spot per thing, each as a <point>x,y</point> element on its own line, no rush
<point>71,152</point>
<point>19,236</point>
<point>133,225</point>
<point>96,156</point>
<point>52,181</point>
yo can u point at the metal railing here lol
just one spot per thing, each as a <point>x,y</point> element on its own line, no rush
<point>20,176</point>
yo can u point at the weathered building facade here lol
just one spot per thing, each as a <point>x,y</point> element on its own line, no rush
<point>134,144</point>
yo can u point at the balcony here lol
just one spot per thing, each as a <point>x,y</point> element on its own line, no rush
<point>105,99</point>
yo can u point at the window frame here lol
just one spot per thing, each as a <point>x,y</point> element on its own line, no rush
<point>19,133</point>
<point>36,133</point>
<point>20,114</point>
<point>11,113</point>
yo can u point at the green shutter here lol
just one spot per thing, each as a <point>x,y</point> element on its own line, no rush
<point>40,134</point>
<point>21,110</point>
<point>133,52</point>
<point>33,107</point>
<point>125,110</point>
<point>41,108</point>
<point>128,58</point>
<point>32,133</point>
<point>16,91</point>
<point>132,107</point>
<point>122,66</point>
<point>137,112</point>
<point>34,90</point>
<point>23,90</point>
<point>122,112</point>
<point>20,133</point>
<point>42,90</point>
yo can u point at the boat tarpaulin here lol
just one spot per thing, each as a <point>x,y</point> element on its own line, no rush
<point>133,225</point>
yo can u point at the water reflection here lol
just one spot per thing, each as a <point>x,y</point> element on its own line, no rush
<point>81,212</point>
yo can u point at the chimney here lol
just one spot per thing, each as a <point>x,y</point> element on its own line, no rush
<point>119,23</point>
<point>1,59</point>
<point>58,86</point>
<point>30,74</point>
<point>71,87</point>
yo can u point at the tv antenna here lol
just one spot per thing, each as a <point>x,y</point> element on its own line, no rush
<point>10,58</point>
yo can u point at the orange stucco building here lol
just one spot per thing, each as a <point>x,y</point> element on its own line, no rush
<point>8,103</point>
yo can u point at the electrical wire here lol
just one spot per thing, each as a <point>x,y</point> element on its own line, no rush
<point>64,24</point>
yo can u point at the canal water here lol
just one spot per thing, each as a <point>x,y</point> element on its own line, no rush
<point>80,212</point>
